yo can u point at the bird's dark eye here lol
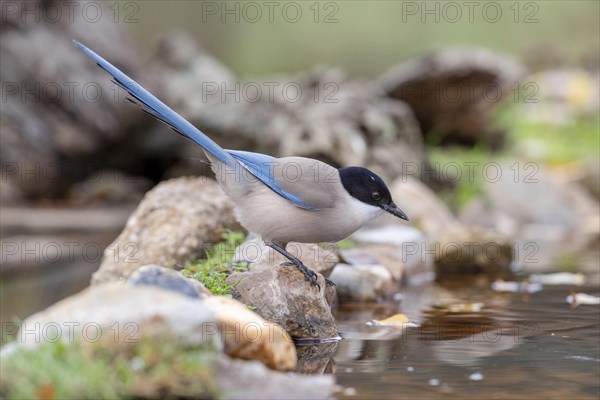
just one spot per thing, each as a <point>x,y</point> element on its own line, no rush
<point>376,196</point>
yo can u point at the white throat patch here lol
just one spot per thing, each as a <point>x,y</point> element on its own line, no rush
<point>364,212</point>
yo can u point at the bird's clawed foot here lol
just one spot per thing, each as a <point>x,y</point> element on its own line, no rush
<point>329,282</point>
<point>310,275</point>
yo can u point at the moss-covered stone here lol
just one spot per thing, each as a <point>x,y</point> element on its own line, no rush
<point>218,265</point>
<point>148,368</point>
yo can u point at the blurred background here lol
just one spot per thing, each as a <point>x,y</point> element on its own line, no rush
<point>366,38</point>
<point>426,90</point>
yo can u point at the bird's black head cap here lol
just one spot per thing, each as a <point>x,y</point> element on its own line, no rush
<point>369,188</point>
<point>365,186</point>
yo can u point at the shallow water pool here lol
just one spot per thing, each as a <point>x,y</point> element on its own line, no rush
<point>516,346</point>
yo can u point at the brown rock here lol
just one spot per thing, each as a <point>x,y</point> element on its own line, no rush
<point>319,258</point>
<point>60,109</point>
<point>248,336</point>
<point>452,92</point>
<point>456,248</point>
<point>177,221</point>
<point>282,294</point>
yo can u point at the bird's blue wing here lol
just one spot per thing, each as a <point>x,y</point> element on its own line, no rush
<point>259,165</point>
<point>150,104</point>
<point>262,167</point>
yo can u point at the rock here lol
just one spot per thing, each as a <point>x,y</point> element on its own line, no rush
<point>252,380</point>
<point>319,258</point>
<point>282,294</point>
<point>388,234</point>
<point>167,279</point>
<point>563,97</point>
<point>362,282</point>
<point>149,369</point>
<point>387,256</point>
<point>453,91</point>
<point>591,179</point>
<point>109,186</point>
<point>177,221</point>
<point>248,336</point>
<point>119,314</point>
<point>60,111</point>
<point>396,247</point>
<point>116,314</point>
<point>455,247</point>
<point>545,217</point>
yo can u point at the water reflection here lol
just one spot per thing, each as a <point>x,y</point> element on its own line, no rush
<point>316,358</point>
<point>515,346</point>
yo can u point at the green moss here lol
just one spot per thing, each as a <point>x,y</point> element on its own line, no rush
<point>148,368</point>
<point>213,271</point>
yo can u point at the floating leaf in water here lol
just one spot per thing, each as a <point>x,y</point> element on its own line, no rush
<point>576,299</point>
<point>559,278</point>
<point>399,320</point>
<point>458,308</point>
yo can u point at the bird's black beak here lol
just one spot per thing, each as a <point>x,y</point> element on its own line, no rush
<point>394,210</point>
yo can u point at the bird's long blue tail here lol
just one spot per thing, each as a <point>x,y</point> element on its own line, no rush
<point>150,104</point>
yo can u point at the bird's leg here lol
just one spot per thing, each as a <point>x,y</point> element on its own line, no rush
<point>311,276</point>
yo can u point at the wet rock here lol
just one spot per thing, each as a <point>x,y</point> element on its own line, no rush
<point>118,314</point>
<point>167,279</point>
<point>252,380</point>
<point>450,92</point>
<point>248,336</point>
<point>454,247</point>
<point>282,294</point>
<point>362,282</point>
<point>547,218</point>
<point>177,221</point>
